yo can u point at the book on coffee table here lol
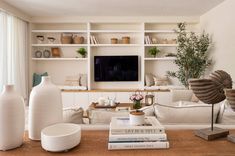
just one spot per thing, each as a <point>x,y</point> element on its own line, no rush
<point>120,125</point>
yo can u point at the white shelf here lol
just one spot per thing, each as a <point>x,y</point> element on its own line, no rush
<point>159,31</point>
<point>160,59</point>
<point>116,31</point>
<point>59,45</point>
<point>115,45</point>
<point>59,59</point>
<point>161,45</point>
<point>59,31</point>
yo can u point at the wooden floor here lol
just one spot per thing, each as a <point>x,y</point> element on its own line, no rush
<point>94,143</point>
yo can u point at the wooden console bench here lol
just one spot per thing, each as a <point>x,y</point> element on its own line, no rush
<point>94,143</point>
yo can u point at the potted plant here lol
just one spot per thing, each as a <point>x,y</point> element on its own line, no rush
<point>82,52</point>
<point>192,55</point>
<point>154,51</point>
<point>136,116</point>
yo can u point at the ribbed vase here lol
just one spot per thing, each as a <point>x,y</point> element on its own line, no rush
<point>45,107</point>
<point>12,118</point>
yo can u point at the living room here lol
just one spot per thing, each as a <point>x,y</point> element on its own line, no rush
<point>70,70</point>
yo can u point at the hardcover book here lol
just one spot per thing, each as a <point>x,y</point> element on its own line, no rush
<point>120,125</point>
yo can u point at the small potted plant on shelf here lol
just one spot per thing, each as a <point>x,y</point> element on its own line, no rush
<point>82,52</point>
<point>154,51</point>
<point>136,116</point>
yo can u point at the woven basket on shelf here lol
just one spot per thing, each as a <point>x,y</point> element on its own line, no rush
<point>66,38</point>
<point>126,40</point>
<point>78,39</point>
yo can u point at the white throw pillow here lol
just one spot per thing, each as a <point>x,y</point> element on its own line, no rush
<point>185,112</point>
<point>227,115</point>
<point>73,115</point>
<point>149,80</point>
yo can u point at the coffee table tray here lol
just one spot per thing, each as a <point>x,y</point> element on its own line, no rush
<point>96,105</point>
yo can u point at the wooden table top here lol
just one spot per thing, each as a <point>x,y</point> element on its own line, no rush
<point>94,143</point>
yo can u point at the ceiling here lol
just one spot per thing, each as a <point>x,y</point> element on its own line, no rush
<point>114,7</point>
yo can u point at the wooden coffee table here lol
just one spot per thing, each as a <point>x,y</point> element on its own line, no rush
<point>93,143</point>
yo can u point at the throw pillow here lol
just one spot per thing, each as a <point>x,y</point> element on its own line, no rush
<point>194,98</point>
<point>37,78</point>
<point>227,115</point>
<point>149,81</point>
<point>161,81</point>
<point>73,115</point>
<point>185,113</point>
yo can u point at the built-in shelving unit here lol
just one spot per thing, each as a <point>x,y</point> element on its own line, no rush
<point>162,35</point>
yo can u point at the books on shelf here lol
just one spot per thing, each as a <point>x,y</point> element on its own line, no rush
<point>120,125</point>
<point>147,40</point>
<point>93,40</point>
<point>122,135</point>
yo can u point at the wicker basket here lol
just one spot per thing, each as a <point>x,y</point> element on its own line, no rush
<point>55,52</point>
<point>66,38</point>
<point>114,40</point>
<point>126,40</point>
<point>78,39</point>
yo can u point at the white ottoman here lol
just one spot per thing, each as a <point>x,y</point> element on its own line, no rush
<point>60,137</point>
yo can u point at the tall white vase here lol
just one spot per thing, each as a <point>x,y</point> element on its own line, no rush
<point>12,118</point>
<point>45,107</point>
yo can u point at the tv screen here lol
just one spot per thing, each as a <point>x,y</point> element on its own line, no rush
<point>116,68</point>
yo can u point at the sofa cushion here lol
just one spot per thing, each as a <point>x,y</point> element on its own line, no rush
<point>185,112</point>
<point>226,115</point>
<point>73,115</point>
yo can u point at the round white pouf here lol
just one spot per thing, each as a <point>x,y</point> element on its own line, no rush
<point>60,137</point>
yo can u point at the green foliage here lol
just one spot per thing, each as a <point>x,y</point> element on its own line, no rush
<point>154,51</point>
<point>82,51</point>
<point>192,55</point>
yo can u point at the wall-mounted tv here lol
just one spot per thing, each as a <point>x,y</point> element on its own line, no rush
<point>116,68</point>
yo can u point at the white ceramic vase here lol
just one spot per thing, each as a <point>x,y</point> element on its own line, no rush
<point>136,118</point>
<point>45,107</point>
<point>12,118</point>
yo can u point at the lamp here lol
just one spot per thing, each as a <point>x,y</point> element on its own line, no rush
<point>211,91</point>
<point>149,99</point>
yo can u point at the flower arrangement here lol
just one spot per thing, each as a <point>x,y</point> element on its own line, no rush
<point>136,98</point>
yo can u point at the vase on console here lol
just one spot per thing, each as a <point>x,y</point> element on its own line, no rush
<point>12,118</point>
<point>45,107</point>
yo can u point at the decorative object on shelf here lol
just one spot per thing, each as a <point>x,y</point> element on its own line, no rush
<point>45,107</point>
<point>61,137</point>
<point>38,54</point>
<point>154,40</point>
<point>149,99</point>
<point>211,91</point>
<point>72,80</point>
<point>192,55</point>
<point>66,38</point>
<point>12,115</point>
<point>114,41</point>
<point>78,39</point>
<point>82,52</point>
<point>161,81</point>
<point>172,41</point>
<point>46,53</point>
<point>126,40</point>
<point>164,41</point>
<point>40,39</point>
<point>56,52</point>
<point>93,40</point>
<point>147,40</point>
<point>136,116</point>
<point>37,78</point>
<point>170,55</point>
<point>51,40</point>
<point>154,51</point>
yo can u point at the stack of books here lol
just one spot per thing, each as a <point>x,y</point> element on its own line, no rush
<point>122,135</point>
<point>93,40</point>
<point>147,40</point>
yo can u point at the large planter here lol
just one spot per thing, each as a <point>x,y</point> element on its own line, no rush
<point>45,107</point>
<point>12,118</point>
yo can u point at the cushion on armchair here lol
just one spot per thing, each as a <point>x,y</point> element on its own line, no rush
<point>73,115</point>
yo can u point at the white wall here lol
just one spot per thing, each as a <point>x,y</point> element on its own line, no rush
<point>14,11</point>
<point>220,23</point>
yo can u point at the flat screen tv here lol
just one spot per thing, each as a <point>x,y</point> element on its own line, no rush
<point>116,68</point>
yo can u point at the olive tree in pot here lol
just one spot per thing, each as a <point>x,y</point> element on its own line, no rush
<point>192,55</point>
